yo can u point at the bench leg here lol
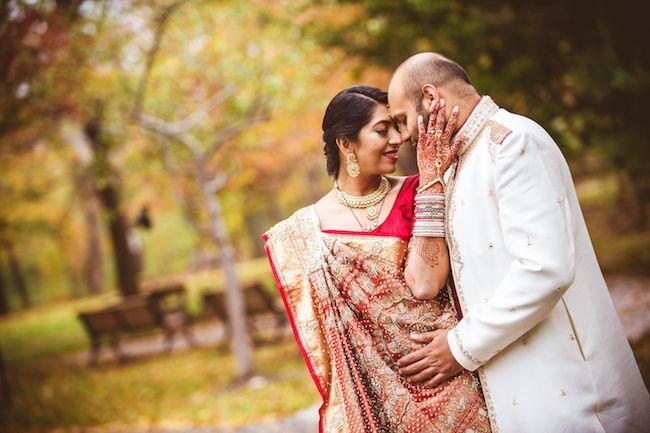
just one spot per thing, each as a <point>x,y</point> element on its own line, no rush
<point>95,348</point>
<point>117,350</point>
<point>189,336</point>
<point>169,340</point>
<point>280,322</point>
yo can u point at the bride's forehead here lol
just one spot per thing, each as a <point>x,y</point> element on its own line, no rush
<point>381,110</point>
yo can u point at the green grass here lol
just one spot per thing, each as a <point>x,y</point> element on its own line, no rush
<point>46,330</point>
<point>184,389</point>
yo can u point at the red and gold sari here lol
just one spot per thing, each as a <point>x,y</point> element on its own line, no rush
<point>351,313</point>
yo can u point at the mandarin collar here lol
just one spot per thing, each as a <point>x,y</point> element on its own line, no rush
<point>481,113</point>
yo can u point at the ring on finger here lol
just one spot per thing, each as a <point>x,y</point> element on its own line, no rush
<point>437,134</point>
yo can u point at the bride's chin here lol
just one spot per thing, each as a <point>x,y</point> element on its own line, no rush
<point>390,169</point>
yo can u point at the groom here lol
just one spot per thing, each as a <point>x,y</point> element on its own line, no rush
<point>538,324</point>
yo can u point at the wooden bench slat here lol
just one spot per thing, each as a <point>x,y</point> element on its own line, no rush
<point>138,313</point>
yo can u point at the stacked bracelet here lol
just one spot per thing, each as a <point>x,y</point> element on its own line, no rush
<point>429,215</point>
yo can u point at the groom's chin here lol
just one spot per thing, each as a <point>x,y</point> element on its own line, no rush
<point>414,137</point>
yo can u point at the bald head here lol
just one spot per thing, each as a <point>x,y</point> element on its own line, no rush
<point>428,68</point>
<point>418,81</point>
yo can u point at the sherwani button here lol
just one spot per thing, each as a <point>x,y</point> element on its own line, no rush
<point>562,392</point>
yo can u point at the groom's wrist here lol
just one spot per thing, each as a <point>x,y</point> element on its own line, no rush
<point>458,352</point>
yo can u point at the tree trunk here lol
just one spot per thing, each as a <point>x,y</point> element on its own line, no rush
<point>92,264</point>
<point>17,276</point>
<point>125,262</point>
<point>240,341</point>
<point>4,383</point>
<point>4,303</point>
<point>92,272</point>
<point>105,179</point>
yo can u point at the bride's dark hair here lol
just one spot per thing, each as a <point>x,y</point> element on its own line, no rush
<point>347,113</point>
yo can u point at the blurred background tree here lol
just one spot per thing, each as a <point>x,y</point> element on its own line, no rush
<point>72,72</point>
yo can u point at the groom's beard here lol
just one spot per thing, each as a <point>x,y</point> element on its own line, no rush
<point>415,134</point>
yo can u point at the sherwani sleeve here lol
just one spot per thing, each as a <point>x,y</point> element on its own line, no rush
<point>535,221</point>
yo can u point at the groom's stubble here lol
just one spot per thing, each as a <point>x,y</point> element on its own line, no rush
<point>422,111</point>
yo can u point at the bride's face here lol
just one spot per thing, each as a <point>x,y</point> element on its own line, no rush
<point>377,145</point>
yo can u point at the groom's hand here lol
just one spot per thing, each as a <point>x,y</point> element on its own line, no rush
<point>433,363</point>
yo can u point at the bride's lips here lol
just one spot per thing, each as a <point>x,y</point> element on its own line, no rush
<point>392,155</point>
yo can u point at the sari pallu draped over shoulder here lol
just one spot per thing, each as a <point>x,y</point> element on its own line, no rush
<point>352,313</point>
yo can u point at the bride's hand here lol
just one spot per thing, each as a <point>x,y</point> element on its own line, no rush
<point>435,148</point>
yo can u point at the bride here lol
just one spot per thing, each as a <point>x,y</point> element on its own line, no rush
<point>367,265</point>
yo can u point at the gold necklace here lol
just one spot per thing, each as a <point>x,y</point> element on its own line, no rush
<point>373,223</point>
<point>367,202</point>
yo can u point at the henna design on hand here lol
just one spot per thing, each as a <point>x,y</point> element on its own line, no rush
<point>435,148</point>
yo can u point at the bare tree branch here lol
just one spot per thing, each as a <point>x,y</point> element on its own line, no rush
<point>168,130</point>
<point>232,131</point>
<point>170,166</point>
<point>217,182</point>
<point>210,104</point>
<point>161,24</point>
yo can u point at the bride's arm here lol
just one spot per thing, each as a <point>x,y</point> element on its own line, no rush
<point>427,262</point>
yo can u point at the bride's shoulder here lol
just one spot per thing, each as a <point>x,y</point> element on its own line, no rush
<point>281,226</point>
<point>325,202</point>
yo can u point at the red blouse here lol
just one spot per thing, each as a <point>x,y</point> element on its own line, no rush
<point>399,221</point>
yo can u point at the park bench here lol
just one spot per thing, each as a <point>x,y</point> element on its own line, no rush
<point>259,305</point>
<point>158,310</point>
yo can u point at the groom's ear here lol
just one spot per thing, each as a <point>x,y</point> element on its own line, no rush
<point>429,93</point>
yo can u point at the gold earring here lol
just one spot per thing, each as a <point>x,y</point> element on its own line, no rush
<point>352,166</point>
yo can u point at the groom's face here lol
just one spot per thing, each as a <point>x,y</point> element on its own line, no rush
<point>405,112</point>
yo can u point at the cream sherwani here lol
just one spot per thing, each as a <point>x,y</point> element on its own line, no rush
<point>538,321</point>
